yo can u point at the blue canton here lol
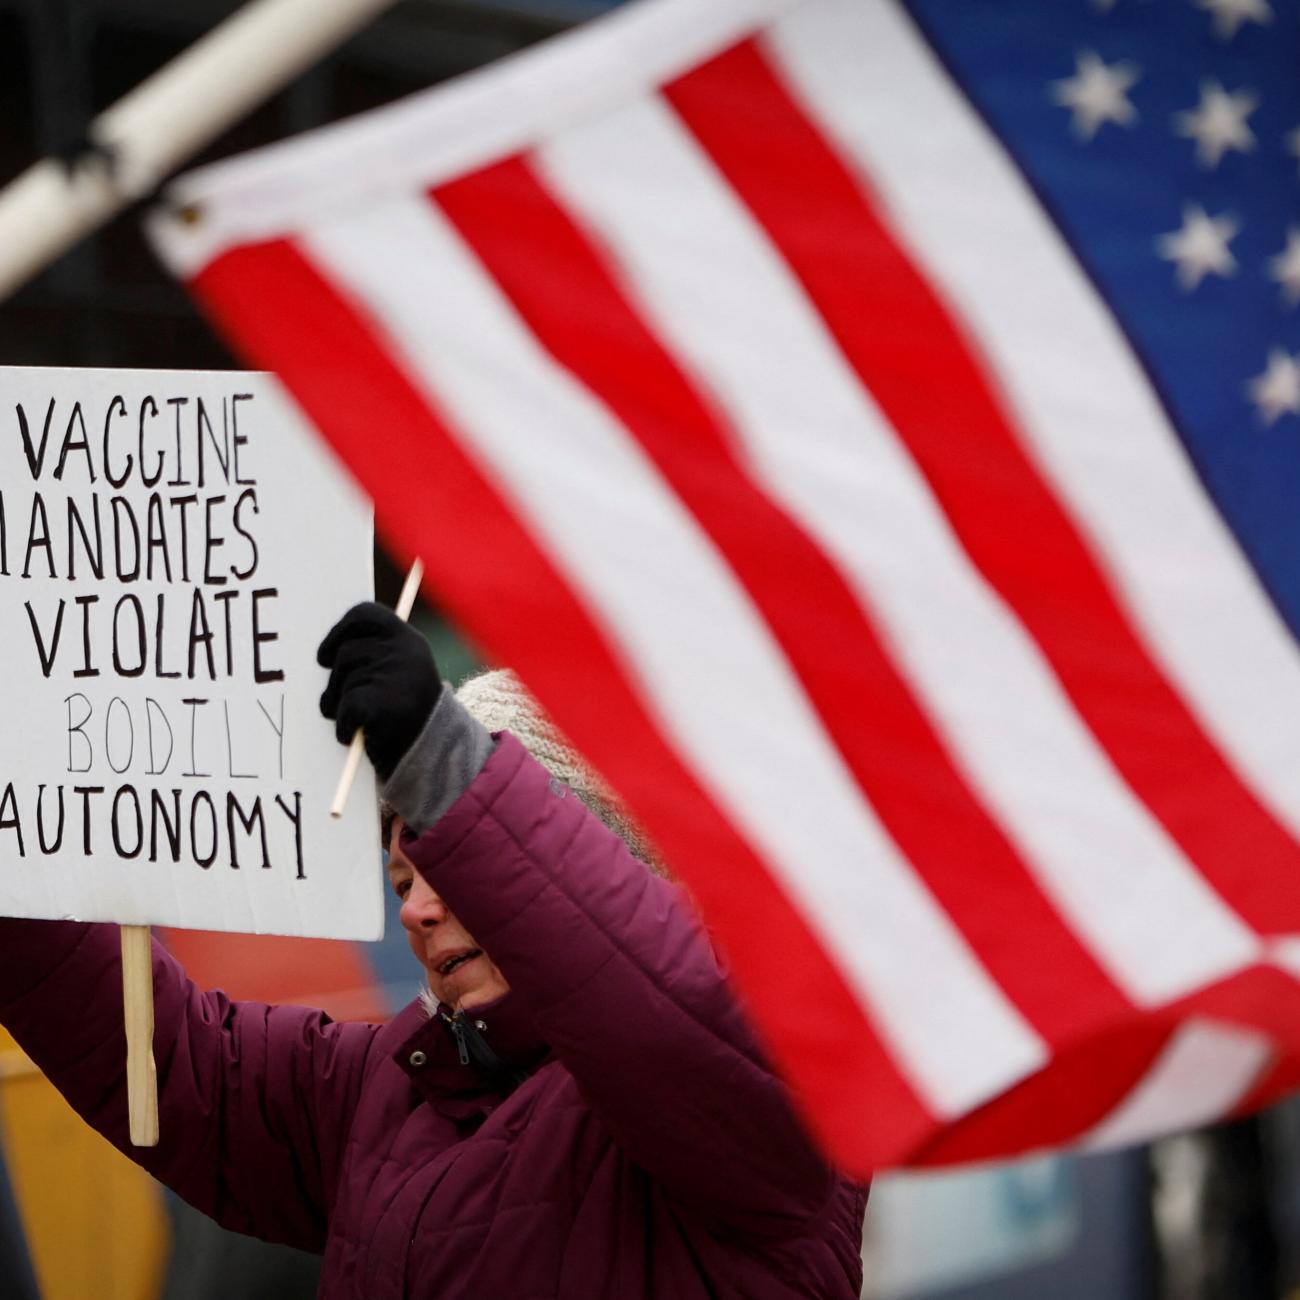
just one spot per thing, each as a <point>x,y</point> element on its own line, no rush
<point>1163,137</point>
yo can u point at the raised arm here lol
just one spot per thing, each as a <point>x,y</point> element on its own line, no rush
<point>611,960</point>
<point>625,986</point>
<point>254,1101</point>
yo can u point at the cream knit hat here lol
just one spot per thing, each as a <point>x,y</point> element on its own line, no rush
<point>501,702</point>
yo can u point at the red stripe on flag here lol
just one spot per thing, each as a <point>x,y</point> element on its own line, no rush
<point>432,499</point>
<point>1080,1088</point>
<point>1060,1104</point>
<point>926,375</point>
<point>571,299</point>
<point>1260,998</point>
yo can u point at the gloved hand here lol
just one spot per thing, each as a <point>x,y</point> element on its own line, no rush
<point>383,678</point>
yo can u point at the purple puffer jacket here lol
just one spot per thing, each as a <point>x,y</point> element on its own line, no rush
<point>647,1152</point>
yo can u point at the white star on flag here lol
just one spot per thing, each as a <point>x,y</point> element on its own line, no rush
<point>1293,142</point>
<point>1097,93</point>
<point>1285,267</point>
<point>1200,246</point>
<point>1277,391</point>
<point>1218,123</point>
<point>1230,14</point>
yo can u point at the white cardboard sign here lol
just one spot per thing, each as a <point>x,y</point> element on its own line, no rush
<point>173,546</point>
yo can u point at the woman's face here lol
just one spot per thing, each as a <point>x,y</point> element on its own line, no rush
<point>460,973</point>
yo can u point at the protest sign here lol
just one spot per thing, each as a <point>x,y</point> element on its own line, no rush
<point>173,545</point>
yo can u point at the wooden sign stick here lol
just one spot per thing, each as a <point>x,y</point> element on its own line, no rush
<point>137,1007</point>
<point>137,959</point>
<point>405,603</point>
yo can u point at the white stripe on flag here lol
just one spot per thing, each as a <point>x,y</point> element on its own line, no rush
<point>1285,954</point>
<point>1206,1069</point>
<point>820,446</point>
<point>480,117</point>
<point>1099,433</point>
<point>698,650</point>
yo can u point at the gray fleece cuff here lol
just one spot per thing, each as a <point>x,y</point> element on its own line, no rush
<point>439,766</point>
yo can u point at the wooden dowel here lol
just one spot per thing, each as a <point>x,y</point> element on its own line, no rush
<point>405,603</point>
<point>137,1008</point>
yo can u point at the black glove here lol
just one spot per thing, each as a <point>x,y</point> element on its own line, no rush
<point>383,678</point>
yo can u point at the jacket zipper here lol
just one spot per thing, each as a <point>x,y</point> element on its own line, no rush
<point>458,1033</point>
<point>472,1048</point>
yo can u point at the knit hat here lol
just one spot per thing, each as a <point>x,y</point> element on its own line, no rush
<point>501,702</point>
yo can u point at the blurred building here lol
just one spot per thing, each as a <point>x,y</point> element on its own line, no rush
<point>108,303</point>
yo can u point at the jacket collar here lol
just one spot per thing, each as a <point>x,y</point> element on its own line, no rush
<point>431,1055</point>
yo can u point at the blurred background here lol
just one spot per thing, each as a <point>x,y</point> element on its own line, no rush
<point>1198,1217</point>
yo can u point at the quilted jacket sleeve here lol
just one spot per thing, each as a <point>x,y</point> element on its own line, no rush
<point>623,982</point>
<point>254,1101</point>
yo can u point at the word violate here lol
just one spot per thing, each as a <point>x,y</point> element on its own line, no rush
<point>131,636</point>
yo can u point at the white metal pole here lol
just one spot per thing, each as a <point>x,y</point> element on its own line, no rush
<point>164,121</point>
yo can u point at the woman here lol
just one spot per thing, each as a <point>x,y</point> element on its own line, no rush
<point>576,1107</point>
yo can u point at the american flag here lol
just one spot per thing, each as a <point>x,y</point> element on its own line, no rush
<point>873,429</point>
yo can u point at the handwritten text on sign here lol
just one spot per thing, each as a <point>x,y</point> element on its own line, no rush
<point>173,545</point>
